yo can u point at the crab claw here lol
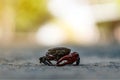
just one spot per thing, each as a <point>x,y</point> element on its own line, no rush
<point>63,61</point>
<point>45,61</point>
<point>69,59</point>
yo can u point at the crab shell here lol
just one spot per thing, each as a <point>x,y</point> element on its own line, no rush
<point>58,52</point>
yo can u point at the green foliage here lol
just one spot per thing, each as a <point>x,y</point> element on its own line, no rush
<point>30,14</point>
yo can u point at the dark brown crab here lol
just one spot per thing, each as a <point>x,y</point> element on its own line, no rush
<point>54,54</point>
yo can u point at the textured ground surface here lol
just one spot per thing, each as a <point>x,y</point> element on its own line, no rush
<point>97,63</point>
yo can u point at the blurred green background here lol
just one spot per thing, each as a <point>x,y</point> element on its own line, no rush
<point>30,14</point>
<point>21,19</point>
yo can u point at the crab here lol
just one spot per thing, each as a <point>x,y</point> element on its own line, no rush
<point>54,54</point>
